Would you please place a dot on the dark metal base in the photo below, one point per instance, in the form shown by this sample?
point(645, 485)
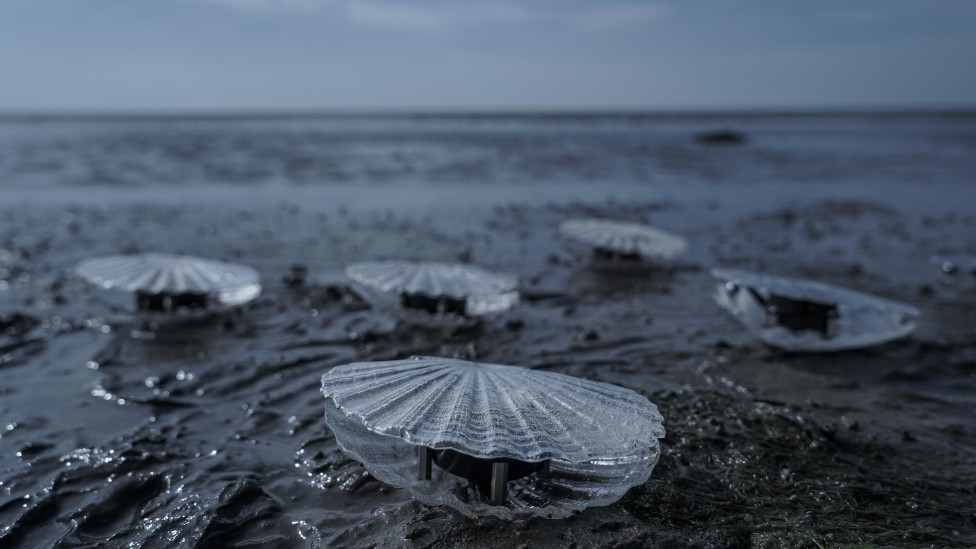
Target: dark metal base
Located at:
point(491, 476)
point(802, 315)
point(602, 254)
point(798, 315)
point(436, 305)
point(165, 302)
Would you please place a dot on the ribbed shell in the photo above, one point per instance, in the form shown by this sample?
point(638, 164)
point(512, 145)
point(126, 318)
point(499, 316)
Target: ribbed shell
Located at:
point(628, 238)
point(430, 279)
point(492, 410)
point(863, 319)
point(165, 273)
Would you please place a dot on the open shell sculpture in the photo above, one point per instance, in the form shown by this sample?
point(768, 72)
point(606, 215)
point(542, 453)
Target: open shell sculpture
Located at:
point(506, 441)
point(422, 291)
point(623, 246)
point(802, 315)
point(166, 284)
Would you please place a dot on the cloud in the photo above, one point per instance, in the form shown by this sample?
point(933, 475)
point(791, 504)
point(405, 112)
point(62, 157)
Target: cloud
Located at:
point(394, 16)
point(619, 16)
point(445, 14)
point(859, 16)
point(416, 17)
point(271, 6)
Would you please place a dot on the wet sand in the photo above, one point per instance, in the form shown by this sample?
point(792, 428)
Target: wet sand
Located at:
point(213, 435)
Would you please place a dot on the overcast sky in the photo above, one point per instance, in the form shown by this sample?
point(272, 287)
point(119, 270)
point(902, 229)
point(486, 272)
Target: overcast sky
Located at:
point(470, 54)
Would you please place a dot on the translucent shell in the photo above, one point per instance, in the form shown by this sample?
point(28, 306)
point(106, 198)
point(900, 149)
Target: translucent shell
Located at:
point(228, 284)
point(625, 238)
point(492, 410)
point(482, 292)
point(851, 319)
point(599, 439)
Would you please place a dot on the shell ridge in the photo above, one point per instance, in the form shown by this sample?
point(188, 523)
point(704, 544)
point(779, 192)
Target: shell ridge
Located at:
point(612, 406)
point(132, 273)
point(182, 280)
point(159, 273)
point(481, 411)
point(90, 269)
point(366, 380)
point(430, 278)
point(201, 278)
point(574, 408)
point(373, 411)
point(391, 394)
point(492, 410)
point(434, 395)
point(144, 280)
point(543, 405)
point(649, 242)
point(499, 420)
point(157, 280)
point(461, 414)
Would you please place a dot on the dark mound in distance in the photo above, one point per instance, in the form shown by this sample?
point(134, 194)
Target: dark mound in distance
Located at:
point(721, 137)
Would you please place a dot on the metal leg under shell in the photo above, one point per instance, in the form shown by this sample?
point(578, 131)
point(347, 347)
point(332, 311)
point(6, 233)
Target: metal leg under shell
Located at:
point(425, 458)
point(499, 482)
point(490, 476)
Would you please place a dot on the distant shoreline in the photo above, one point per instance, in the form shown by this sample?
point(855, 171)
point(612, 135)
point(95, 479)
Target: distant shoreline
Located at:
point(475, 114)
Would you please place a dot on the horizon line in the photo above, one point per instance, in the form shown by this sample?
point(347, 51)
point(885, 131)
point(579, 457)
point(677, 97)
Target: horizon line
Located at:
point(474, 112)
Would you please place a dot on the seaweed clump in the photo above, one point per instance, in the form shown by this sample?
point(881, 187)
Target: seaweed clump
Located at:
point(762, 475)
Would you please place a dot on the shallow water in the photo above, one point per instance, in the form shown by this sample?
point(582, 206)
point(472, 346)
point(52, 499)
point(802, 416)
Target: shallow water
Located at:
point(212, 435)
point(478, 149)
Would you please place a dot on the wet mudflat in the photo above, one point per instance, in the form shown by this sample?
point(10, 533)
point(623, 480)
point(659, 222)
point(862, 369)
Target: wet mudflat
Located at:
point(212, 434)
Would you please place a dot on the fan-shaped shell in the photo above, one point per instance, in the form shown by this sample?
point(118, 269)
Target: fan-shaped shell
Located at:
point(600, 439)
point(626, 238)
point(431, 279)
point(493, 410)
point(483, 292)
point(152, 273)
point(862, 320)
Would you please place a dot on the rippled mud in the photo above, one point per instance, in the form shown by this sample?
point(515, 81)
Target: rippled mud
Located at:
point(211, 434)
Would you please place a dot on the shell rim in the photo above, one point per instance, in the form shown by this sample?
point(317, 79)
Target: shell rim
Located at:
point(645, 451)
point(799, 344)
point(679, 243)
point(641, 448)
point(502, 512)
point(843, 295)
point(508, 283)
point(254, 278)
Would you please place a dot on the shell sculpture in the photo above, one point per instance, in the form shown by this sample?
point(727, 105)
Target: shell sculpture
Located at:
point(426, 289)
point(489, 439)
point(624, 246)
point(958, 272)
point(802, 315)
point(165, 283)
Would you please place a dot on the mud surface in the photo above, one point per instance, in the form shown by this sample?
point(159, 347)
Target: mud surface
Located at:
point(211, 435)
